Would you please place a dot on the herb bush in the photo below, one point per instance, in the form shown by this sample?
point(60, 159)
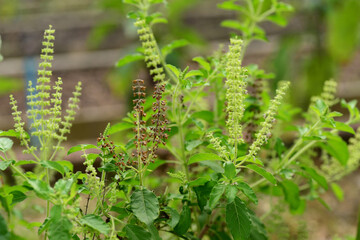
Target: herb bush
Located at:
point(223, 131)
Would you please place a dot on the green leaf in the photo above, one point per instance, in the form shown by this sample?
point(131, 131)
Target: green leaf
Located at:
point(59, 229)
point(337, 148)
point(291, 193)
point(184, 222)
point(203, 193)
point(229, 170)
point(215, 195)
point(258, 229)
point(25, 162)
point(230, 5)
point(207, 116)
point(4, 232)
point(279, 147)
point(173, 69)
point(320, 107)
point(234, 24)
point(81, 147)
point(5, 164)
point(268, 176)
point(204, 157)
point(95, 222)
point(11, 133)
point(134, 232)
point(64, 185)
point(277, 19)
point(129, 59)
point(119, 127)
point(214, 165)
point(341, 127)
point(193, 73)
point(314, 175)
point(173, 45)
point(191, 145)
point(5, 144)
point(53, 165)
point(174, 216)
point(237, 219)
point(17, 197)
point(44, 226)
point(337, 190)
point(248, 191)
point(41, 188)
point(231, 192)
point(202, 63)
point(145, 205)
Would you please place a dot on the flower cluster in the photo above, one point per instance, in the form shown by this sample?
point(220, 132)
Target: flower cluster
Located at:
point(44, 103)
point(236, 91)
point(153, 61)
point(269, 118)
point(152, 55)
point(141, 134)
point(216, 143)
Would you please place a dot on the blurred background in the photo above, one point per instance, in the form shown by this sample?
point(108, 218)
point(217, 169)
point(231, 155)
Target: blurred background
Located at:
point(321, 41)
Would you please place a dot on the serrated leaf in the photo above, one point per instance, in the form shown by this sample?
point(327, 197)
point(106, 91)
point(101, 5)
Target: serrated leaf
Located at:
point(134, 232)
point(41, 188)
point(262, 172)
point(248, 191)
point(129, 59)
point(81, 147)
point(174, 216)
point(95, 222)
point(173, 45)
point(216, 194)
point(184, 221)
point(5, 144)
point(59, 229)
point(229, 170)
point(237, 219)
point(64, 185)
point(204, 157)
point(145, 205)
point(203, 193)
point(231, 192)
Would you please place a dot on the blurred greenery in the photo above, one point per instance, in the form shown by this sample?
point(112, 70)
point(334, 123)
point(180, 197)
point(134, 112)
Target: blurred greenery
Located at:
point(329, 42)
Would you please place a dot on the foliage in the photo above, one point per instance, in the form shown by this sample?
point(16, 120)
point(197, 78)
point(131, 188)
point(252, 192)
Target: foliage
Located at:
point(220, 127)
